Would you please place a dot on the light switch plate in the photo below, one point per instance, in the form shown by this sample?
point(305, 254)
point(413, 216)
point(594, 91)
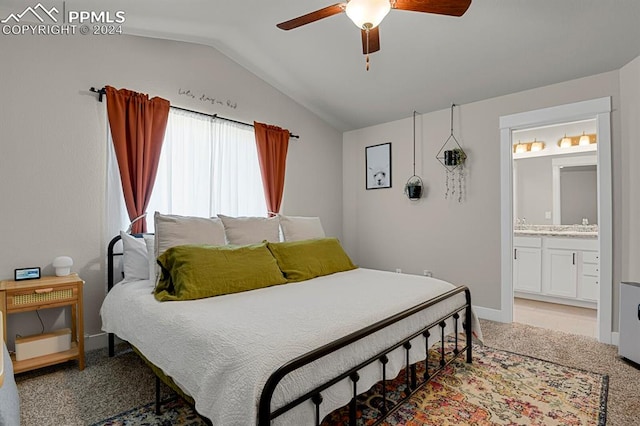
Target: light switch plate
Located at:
point(547, 215)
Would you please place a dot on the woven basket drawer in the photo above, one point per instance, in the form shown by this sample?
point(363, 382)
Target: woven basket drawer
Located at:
point(23, 299)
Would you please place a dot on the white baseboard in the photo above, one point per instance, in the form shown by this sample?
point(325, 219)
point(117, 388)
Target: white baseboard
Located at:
point(95, 341)
point(488, 313)
point(615, 338)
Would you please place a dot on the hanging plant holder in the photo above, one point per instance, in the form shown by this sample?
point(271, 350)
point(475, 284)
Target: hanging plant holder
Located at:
point(413, 187)
point(452, 157)
point(451, 154)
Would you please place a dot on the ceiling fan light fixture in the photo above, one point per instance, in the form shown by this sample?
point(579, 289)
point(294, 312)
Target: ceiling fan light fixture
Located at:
point(367, 14)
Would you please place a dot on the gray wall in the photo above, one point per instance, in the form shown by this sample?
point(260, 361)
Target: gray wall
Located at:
point(533, 189)
point(460, 242)
point(630, 158)
point(578, 186)
point(53, 145)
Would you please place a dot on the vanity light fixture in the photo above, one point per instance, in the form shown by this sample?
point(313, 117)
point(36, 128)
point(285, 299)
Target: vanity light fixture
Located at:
point(565, 142)
point(573, 141)
point(536, 146)
point(522, 147)
point(584, 140)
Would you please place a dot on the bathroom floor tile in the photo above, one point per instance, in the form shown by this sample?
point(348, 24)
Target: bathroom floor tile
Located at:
point(554, 316)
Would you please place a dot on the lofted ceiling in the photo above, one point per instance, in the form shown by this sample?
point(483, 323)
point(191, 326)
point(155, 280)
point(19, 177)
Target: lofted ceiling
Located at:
point(425, 62)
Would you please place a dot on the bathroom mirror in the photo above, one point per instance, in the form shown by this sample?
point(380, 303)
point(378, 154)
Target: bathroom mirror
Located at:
point(555, 185)
point(575, 191)
point(556, 190)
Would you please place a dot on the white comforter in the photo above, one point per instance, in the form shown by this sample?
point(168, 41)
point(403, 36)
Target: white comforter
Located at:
point(221, 350)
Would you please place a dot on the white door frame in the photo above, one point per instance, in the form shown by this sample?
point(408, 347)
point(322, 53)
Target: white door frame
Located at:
point(600, 110)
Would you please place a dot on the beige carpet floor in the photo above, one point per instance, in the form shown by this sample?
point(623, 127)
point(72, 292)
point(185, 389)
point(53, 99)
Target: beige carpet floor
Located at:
point(62, 395)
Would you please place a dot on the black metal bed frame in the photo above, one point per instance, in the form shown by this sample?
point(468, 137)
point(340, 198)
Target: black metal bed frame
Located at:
point(111, 254)
point(412, 382)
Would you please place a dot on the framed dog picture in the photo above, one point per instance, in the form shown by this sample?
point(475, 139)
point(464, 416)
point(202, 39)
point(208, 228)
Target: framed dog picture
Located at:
point(378, 166)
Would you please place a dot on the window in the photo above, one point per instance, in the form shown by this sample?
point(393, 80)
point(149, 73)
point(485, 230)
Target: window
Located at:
point(207, 166)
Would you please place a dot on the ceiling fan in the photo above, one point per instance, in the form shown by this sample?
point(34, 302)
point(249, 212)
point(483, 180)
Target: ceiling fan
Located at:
point(367, 15)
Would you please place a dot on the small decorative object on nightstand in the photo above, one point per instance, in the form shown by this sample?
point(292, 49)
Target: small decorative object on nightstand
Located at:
point(45, 293)
point(63, 265)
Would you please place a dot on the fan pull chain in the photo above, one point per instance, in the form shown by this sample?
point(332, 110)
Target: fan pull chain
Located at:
point(367, 29)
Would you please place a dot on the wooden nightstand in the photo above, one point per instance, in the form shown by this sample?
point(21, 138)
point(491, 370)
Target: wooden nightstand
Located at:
point(45, 293)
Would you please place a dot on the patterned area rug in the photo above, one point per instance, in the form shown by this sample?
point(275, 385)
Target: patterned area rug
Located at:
point(174, 412)
point(499, 388)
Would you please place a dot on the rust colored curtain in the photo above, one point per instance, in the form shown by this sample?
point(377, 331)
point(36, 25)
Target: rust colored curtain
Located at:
point(137, 127)
point(272, 143)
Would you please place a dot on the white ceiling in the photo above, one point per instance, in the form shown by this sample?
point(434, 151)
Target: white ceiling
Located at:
point(426, 62)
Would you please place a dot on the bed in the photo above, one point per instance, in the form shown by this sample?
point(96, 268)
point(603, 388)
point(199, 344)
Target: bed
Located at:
point(291, 354)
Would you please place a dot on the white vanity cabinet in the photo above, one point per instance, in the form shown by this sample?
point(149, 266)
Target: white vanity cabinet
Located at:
point(527, 264)
point(562, 276)
point(589, 288)
point(557, 269)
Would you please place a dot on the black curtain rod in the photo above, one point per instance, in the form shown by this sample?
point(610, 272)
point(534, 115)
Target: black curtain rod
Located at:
point(102, 92)
point(291, 135)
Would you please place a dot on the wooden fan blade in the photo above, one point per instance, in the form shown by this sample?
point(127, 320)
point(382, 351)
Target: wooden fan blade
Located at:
point(312, 17)
point(374, 40)
point(440, 7)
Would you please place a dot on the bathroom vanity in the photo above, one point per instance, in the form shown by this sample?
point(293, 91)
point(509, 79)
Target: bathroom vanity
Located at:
point(559, 264)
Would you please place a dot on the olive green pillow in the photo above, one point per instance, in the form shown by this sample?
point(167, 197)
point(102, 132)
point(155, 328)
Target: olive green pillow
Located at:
point(303, 260)
point(198, 271)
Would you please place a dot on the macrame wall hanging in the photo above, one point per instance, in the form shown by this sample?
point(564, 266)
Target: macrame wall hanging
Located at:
point(453, 157)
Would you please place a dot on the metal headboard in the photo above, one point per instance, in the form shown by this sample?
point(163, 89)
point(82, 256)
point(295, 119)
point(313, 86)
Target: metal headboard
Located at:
point(111, 254)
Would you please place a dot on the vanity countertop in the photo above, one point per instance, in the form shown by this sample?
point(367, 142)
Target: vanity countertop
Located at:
point(569, 234)
point(567, 231)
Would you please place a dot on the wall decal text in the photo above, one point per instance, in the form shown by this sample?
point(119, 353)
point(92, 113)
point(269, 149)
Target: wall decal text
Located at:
point(209, 99)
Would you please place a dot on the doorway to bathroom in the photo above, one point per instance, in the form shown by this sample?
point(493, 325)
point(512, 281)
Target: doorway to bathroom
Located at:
point(556, 218)
point(555, 206)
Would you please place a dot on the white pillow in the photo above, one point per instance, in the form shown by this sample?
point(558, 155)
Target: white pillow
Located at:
point(251, 230)
point(173, 230)
point(150, 242)
point(297, 228)
point(135, 263)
